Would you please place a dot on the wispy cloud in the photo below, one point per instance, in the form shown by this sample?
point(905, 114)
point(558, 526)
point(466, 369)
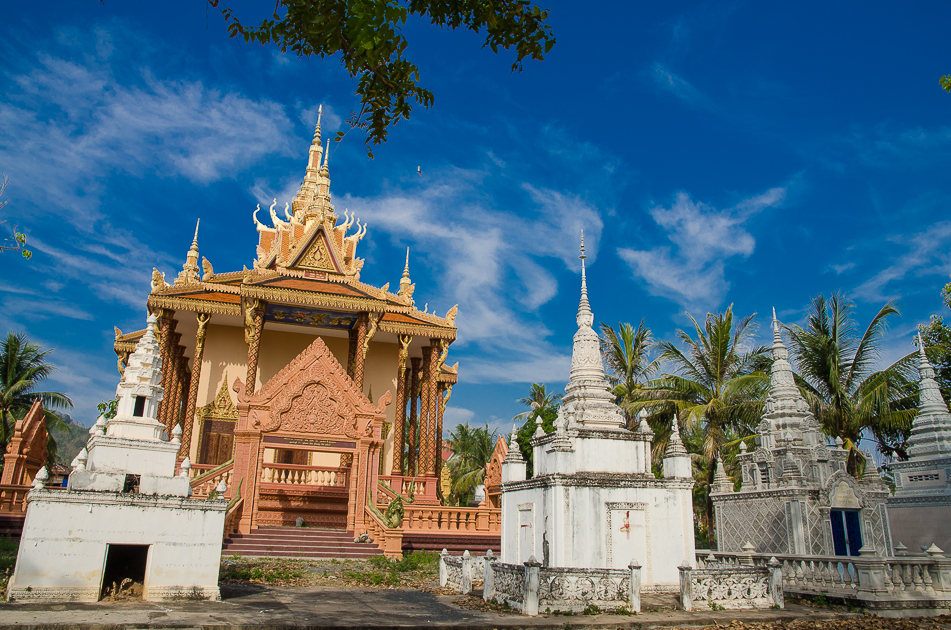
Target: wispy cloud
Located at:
point(673, 83)
point(692, 271)
point(924, 253)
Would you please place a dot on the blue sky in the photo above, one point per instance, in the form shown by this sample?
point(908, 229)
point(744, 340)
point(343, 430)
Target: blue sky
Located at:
point(753, 154)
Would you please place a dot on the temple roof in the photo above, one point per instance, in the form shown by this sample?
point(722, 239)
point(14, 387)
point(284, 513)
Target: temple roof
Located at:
point(306, 271)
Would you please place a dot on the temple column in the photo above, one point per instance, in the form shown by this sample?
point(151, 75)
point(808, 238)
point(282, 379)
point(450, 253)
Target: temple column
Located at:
point(253, 327)
point(175, 402)
point(413, 417)
point(357, 357)
point(203, 319)
point(433, 403)
point(445, 391)
point(166, 328)
point(400, 416)
point(422, 456)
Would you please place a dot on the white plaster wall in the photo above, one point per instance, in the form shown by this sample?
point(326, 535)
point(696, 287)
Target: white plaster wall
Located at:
point(577, 529)
point(63, 547)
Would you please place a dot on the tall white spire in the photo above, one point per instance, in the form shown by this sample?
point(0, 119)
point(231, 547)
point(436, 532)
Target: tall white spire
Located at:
point(786, 412)
point(931, 429)
point(588, 399)
point(320, 112)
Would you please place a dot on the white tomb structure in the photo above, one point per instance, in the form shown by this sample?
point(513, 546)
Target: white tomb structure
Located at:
point(796, 496)
point(593, 501)
point(920, 510)
point(124, 513)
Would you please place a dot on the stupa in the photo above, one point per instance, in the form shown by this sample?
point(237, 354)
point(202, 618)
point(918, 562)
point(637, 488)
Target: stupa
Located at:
point(796, 496)
point(593, 501)
point(125, 514)
point(920, 510)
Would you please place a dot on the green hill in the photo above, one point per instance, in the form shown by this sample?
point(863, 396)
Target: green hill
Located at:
point(70, 440)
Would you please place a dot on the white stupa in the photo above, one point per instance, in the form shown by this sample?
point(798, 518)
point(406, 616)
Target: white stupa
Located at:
point(125, 513)
point(593, 501)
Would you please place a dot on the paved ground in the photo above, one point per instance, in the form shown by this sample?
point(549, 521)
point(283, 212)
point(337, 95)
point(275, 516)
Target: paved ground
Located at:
point(331, 607)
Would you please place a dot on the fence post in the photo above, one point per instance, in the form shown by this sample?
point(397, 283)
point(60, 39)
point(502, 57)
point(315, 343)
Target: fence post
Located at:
point(488, 586)
point(871, 570)
point(443, 571)
point(466, 582)
point(532, 575)
point(686, 587)
point(776, 582)
point(634, 591)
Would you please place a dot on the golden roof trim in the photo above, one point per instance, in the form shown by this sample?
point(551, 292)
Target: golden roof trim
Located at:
point(192, 305)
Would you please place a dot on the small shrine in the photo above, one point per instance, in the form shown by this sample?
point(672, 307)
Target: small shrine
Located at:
point(125, 516)
point(593, 502)
point(796, 496)
point(920, 510)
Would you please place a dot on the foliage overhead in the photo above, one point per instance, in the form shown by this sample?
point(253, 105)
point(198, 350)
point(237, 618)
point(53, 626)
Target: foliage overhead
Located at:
point(837, 378)
point(17, 242)
point(936, 336)
point(946, 83)
point(539, 398)
point(525, 434)
point(22, 367)
point(368, 35)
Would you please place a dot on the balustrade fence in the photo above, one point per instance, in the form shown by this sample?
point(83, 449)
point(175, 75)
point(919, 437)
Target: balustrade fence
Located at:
point(870, 581)
point(297, 475)
point(732, 587)
point(13, 498)
point(529, 587)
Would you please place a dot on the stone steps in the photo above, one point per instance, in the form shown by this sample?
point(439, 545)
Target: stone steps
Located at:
point(297, 542)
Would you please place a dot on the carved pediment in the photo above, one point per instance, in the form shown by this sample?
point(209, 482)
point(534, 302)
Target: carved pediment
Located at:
point(493, 470)
point(221, 408)
point(313, 395)
point(317, 254)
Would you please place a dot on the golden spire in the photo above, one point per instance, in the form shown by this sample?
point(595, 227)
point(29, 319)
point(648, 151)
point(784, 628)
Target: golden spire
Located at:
point(320, 111)
point(189, 273)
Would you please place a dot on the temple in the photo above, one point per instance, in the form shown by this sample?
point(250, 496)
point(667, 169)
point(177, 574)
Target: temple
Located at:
point(305, 388)
point(920, 510)
point(796, 496)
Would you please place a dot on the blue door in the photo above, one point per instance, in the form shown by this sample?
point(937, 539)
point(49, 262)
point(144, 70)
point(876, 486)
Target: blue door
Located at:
point(846, 532)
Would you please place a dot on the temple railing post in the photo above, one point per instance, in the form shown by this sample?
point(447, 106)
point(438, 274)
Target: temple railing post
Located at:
point(532, 575)
point(466, 581)
point(634, 590)
point(686, 586)
point(776, 582)
point(488, 585)
point(443, 571)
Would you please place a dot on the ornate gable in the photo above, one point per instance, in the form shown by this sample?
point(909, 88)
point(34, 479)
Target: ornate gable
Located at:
point(314, 395)
point(317, 254)
point(26, 452)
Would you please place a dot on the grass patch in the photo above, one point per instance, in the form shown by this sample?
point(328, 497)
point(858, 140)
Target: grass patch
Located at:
point(8, 558)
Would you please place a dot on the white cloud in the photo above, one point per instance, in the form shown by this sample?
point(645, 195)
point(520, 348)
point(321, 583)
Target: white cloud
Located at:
point(692, 272)
point(495, 271)
point(924, 253)
point(453, 416)
point(681, 88)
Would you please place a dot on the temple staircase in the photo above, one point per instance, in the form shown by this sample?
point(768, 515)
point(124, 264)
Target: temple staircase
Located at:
point(298, 542)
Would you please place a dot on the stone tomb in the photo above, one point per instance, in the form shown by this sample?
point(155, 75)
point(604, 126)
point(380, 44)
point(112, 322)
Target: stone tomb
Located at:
point(920, 511)
point(593, 502)
point(124, 513)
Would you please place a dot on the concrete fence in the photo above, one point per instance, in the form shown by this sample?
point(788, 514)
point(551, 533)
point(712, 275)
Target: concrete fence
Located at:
point(733, 587)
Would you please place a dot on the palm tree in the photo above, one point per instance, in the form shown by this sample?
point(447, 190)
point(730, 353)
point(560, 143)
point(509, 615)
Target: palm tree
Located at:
point(717, 389)
point(538, 399)
point(471, 451)
point(626, 354)
point(837, 376)
point(22, 367)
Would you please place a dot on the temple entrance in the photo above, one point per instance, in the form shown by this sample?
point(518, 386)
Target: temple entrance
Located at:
point(124, 575)
point(846, 532)
point(217, 422)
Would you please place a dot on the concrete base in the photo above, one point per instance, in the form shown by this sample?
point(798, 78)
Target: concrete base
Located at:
point(66, 539)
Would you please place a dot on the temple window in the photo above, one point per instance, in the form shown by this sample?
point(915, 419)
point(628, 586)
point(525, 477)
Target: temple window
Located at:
point(139, 409)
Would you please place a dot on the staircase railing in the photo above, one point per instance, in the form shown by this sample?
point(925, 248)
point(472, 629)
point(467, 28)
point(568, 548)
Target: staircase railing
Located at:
point(442, 518)
point(388, 539)
point(232, 516)
point(203, 484)
point(13, 499)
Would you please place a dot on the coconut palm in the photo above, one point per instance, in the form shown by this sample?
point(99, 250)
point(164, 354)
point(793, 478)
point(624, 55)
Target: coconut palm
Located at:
point(626, 355)
point(538, 399)
point(22, 367)
point(847, 395)
point(471, 450)
point(717, 388)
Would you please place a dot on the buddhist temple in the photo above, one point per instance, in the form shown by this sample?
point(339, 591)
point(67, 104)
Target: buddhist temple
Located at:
point(920, 510)
point(303, 386)
point(796, 496)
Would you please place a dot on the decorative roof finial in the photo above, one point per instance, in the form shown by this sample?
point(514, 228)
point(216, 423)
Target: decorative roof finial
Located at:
point(325, 169)
point(189, 273)
point(675, 447)
point(514, 453)
point(406, 268)
point(585, 316)
point(320, 111)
